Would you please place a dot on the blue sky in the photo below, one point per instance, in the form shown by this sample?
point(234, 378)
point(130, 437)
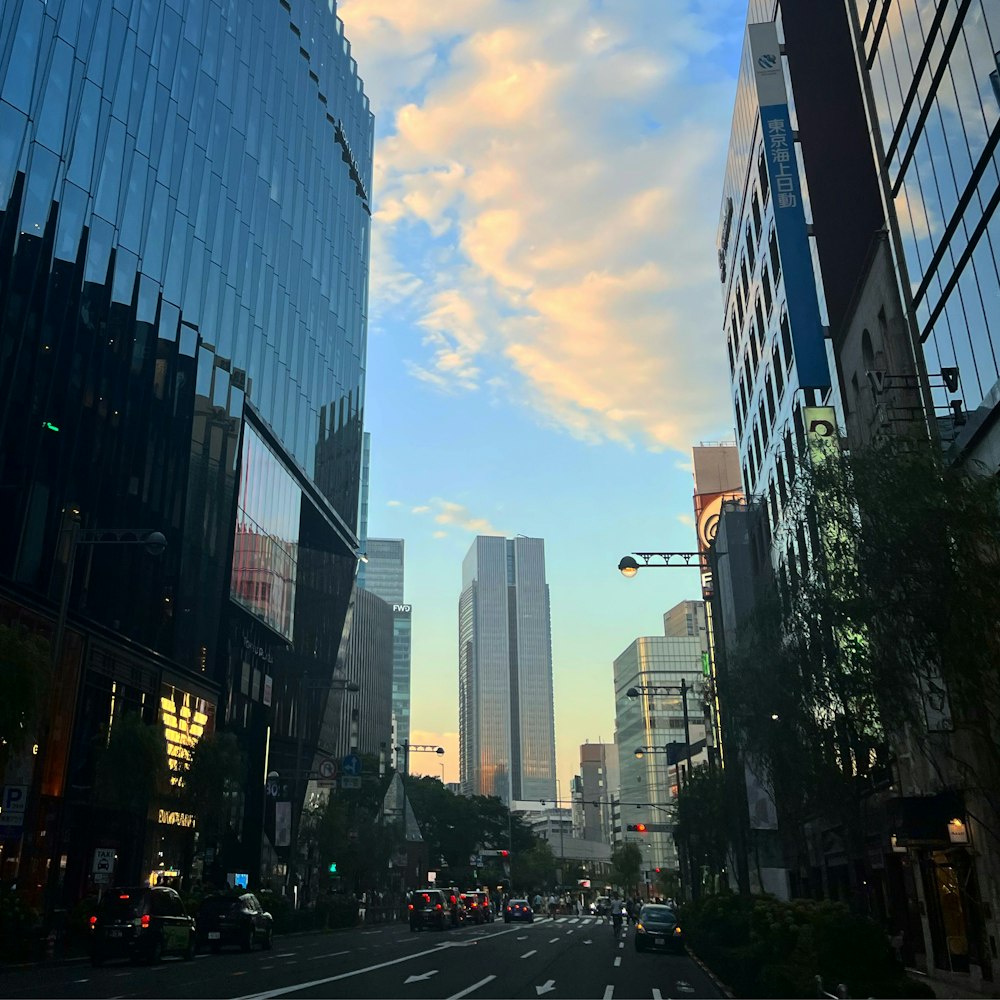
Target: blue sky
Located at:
point(544, 344)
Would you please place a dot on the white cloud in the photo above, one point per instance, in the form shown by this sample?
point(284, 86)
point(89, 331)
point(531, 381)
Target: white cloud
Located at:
point(564, 165)
point(686, 519)
point(393, 503)
point(423, 509)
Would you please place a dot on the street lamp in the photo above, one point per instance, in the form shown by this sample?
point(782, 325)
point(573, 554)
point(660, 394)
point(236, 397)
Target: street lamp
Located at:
point(681, 689)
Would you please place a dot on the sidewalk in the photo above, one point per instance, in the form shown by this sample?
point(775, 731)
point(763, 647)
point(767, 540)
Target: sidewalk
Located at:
point(946, 990)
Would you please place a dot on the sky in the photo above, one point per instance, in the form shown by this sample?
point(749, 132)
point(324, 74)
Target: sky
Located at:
point(544, 342)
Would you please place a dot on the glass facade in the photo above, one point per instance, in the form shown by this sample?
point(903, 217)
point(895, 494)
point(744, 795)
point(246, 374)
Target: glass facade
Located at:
point(506, 710)
point(184, 235)
point(935, 78)
point(649, 782)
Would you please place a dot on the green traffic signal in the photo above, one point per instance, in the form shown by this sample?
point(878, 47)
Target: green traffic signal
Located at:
point(333, 868)
point(49, 426)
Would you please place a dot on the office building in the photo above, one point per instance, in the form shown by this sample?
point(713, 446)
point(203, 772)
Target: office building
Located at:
point(383, 575)
point(184, 232)
point(506, 713)
point(645, 725)
point(598, 783)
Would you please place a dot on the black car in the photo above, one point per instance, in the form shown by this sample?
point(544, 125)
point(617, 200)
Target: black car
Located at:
point(141, 924)
point(456, 905)
point(429, 908)
point(234, 918)
point(518, 909)
point(476, 905)
point(657, 927)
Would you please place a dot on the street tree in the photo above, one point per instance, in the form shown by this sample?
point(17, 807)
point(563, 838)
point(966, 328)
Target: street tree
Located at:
point(626, 866)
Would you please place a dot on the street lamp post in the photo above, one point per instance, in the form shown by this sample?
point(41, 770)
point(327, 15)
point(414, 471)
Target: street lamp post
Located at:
point(406, 749)
point(669, 689)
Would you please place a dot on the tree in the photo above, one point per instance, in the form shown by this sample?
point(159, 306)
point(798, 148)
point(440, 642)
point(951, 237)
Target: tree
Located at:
point(626, 864)
point(534, 868)
point(888, 641)
point(131, 765)
point(703, 821)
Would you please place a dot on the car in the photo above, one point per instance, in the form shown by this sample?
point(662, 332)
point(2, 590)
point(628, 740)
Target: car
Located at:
point(486, 906)
point(602, 906)
point(518, 909)
point(141, 923)
point(428, 908)
point(456, 905)
point(658, 927)
point(234, 918)
point(475, 909)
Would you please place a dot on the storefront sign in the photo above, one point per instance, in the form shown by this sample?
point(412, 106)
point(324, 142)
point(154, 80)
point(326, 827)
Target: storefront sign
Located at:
point(170, 817)
point(184, 717)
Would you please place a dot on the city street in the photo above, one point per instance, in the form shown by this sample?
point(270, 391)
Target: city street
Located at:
point(564, 957)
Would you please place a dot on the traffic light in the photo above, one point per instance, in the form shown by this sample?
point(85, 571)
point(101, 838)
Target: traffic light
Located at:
point(503, 854)
point(657, 870)
point(333, 868)
point(636, 828)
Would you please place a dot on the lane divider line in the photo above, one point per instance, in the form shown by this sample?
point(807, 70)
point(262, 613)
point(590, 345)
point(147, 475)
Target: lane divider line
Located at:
point(528, 954)
point(618, 961)
point(472, 988)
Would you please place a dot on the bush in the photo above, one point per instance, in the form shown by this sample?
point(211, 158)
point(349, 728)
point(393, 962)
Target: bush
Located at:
point(764, 947)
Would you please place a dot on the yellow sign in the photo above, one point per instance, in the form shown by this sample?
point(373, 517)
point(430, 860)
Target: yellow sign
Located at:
point(184, 718)
point(822, 436)
point(170, 817)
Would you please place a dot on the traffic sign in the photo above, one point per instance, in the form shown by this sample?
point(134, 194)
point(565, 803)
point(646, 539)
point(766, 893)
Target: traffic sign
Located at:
point(350, 781)
point(328, 769)
point(104, 860)
point(351, 765)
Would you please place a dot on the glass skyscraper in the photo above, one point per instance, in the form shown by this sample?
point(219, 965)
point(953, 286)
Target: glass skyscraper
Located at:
point(506, 710)
point(383, 576)
point(184, 228)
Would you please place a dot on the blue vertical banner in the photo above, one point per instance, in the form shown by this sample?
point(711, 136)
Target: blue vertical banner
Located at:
point(808, 343)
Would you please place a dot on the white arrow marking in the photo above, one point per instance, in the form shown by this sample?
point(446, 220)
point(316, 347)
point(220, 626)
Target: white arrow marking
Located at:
point(417, 979)
point(523, 937)
point(683, 986)
point(588, 941)
point(547, 988)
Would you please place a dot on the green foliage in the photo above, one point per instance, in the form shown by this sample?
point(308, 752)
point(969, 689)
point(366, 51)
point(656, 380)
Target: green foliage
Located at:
point(763, 947)
point(216, 772)
point(702, 819)
point(535, 868)
point(331, 911)
point(626, 864)
point(131, 764)
point(26, 670)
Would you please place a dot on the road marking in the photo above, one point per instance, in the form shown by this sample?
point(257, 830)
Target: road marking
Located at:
point(561, 920)
point(570, 931)
point(297, 987)
point(618, 961)
point(528, 954)
point(472, 988)
point(420, 978)
point(242, 972)
point(575, 920)
point(546, 987)
point(621, 944)
point(332, 954)
point(369, 933)
point(266, 967)
point(523, 937)
point(285, 954)
point(201, 956)
point(587, 941)
point(657, 995)
point(553, 940)
point(81, 980)
point(609, 992)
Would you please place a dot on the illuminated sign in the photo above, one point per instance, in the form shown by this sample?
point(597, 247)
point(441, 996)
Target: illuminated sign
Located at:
point(403, 609)
point(822, 437)
point(184, 717)
point(170, 817)
point(809, 345)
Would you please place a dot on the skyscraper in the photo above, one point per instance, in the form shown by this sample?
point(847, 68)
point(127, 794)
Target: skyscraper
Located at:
point(383, 575)
point(184, 229)
point(506, 713)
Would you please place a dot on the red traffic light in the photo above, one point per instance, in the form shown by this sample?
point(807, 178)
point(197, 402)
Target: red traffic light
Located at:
point(641, 827)
point(504, 854)
point(658, 870)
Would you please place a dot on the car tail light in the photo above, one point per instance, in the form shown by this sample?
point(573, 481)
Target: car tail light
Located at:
point(145, 920)
point(93, 920)
point(508, 909)
point(677, 930)
point(453, 901)
point(411, 906)
point(437, 906)
point(124, 895)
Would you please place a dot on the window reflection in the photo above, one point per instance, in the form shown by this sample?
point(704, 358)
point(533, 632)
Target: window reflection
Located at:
point(265, 551)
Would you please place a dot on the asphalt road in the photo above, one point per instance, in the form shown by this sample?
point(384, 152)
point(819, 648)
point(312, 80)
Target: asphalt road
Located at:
point(576, 957)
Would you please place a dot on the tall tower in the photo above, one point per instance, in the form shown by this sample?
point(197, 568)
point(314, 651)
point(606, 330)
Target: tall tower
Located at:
point(383, 576)
point(506, 714)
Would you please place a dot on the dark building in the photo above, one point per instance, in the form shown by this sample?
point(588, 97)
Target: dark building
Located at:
point(184, 229)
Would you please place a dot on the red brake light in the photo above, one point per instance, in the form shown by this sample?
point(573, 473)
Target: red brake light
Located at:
point(93, 920)
point(145, 920)
point(411, 906)
point(124, 895)
point(437, 906)
point(453, 899)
